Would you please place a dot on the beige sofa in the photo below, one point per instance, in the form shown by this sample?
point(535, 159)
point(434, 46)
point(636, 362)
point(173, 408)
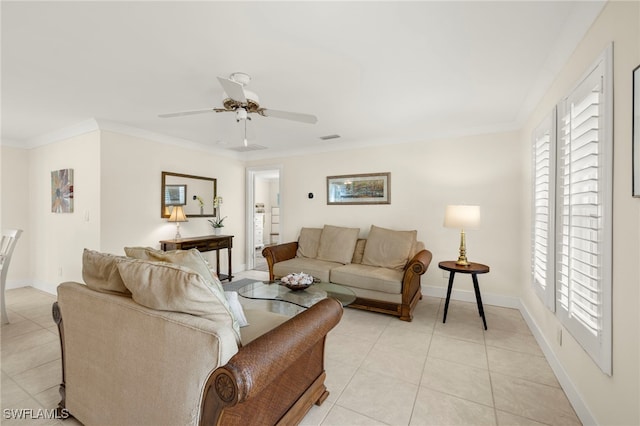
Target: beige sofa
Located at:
point(127, 359)
point(383, 270)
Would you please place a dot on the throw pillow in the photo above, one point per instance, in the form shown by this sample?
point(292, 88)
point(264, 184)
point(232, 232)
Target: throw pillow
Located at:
point(388, 248)
point(236, 308)
point(308, 242)
point(337, 244)
point(191, 259)
point(100, 272)
point(169, 287)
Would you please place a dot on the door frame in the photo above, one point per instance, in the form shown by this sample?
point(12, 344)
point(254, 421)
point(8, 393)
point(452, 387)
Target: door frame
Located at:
point(251, 173)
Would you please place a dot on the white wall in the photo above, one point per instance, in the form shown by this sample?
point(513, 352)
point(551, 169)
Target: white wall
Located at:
point(15, 210)
point(601, 399)
point(57, 239)
point(131, 170)
point(425, 177)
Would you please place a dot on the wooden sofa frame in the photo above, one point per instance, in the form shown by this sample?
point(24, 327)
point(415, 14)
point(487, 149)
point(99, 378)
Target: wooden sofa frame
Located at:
point(273, 380)
point(411, 291)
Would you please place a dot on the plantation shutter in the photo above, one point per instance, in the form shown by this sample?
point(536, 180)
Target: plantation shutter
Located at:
point(583, 222)
point(542, 252)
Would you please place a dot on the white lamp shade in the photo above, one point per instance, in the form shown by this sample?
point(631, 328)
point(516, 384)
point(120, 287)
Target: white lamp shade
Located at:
point(177, 215)
point(462, 217)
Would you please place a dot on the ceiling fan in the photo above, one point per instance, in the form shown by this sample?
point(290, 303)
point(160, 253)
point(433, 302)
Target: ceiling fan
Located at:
point(243, 102)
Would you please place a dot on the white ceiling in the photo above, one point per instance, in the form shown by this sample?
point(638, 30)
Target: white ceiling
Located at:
point(372, 72)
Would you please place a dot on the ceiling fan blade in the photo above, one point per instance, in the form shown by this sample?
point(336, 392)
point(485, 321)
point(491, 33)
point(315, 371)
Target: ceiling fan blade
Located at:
point(192, 112)
point(295, 116)
point(233, 90)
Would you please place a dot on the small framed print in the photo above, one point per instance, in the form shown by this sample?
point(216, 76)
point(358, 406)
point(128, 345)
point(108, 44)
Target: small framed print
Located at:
point(371, 188)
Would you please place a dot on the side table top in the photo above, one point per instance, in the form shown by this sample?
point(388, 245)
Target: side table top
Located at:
point(473, 268)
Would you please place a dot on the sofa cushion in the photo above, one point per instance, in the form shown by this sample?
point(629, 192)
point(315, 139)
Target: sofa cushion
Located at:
point(318, 268)
point(337, 244)
point(385, 280)
point(188, 258)
point(191, 259)
point(169, 287)
point(308, 242)
point(388, 248)
point(100, 272)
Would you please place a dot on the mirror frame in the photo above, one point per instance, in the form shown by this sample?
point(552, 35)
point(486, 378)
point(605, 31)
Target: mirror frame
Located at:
point(163, 207)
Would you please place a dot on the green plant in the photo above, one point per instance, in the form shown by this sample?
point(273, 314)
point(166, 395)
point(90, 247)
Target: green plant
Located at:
point(217, 223)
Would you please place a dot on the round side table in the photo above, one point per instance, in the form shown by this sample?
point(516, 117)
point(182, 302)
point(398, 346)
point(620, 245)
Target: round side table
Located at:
point(474, 269)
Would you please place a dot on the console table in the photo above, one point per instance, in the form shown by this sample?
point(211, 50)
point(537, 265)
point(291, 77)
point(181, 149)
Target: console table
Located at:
point(204, 243)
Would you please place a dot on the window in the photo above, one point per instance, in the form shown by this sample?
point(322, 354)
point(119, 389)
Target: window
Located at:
point(542, 250)
point(581, 244)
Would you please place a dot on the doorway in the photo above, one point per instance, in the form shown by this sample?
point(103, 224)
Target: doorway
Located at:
point(263, 213)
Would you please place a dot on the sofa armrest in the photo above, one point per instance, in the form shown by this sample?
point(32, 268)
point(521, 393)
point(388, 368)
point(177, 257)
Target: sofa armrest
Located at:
point(411, 291)
point(420, 262)
point(264, 366)
point(279, 253)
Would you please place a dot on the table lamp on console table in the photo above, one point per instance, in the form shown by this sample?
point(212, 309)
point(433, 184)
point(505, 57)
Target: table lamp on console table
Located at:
point(462, 217)
point(177, 216)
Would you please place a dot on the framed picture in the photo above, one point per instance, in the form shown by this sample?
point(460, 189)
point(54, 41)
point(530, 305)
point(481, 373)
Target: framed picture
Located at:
point(636, 132)
point(175, 195)
point(373, 188)
point(62, 191)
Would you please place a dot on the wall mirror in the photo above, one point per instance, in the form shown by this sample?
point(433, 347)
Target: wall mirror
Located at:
point(194, 193)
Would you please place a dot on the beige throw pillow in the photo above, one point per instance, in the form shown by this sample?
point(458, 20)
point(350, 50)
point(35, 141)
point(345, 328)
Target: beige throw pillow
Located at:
point(308, 242)
point(100, 272)
point(388, 248)
point(337, 244)
point(169, 287)
point(191, 259)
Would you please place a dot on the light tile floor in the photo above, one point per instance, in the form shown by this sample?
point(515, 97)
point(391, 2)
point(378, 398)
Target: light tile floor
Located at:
point(380, 370)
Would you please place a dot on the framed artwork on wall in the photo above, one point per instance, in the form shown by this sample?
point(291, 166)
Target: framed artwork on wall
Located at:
point(636, 132)
point(371, 188)
point(62, 191)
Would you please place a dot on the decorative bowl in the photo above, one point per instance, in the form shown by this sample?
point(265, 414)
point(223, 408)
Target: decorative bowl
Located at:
point(298, 281)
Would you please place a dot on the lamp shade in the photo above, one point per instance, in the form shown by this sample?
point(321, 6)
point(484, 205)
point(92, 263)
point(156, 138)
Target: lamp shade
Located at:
point(177, 215)
point(462, 217)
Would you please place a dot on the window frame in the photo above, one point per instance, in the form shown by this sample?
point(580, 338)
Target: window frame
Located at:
point(597, 341)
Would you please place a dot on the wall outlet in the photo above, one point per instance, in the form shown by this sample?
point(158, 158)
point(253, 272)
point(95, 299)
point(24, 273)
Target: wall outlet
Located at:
point(60, 271)
point(559, 336)
point(445, 274)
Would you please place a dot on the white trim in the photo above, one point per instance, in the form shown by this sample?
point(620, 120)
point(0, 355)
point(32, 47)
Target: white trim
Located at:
point(250, 210)
point(58, 135)
point(578, 404)
point(17, 284)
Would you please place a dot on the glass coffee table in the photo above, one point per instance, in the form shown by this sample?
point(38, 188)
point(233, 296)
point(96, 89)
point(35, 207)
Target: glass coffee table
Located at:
point(274, 291)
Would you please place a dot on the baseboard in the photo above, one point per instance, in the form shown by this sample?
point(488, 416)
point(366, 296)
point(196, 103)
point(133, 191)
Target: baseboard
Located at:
point(581, 409)
point(17, 284)
point(469, 296)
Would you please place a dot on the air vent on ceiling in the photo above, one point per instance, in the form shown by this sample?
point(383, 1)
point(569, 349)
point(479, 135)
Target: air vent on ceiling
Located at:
point(252, 147)
point(326, 138)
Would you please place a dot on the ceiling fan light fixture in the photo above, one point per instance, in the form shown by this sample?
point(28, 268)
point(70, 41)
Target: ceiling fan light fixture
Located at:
point(241, 114)
point(240, 78)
